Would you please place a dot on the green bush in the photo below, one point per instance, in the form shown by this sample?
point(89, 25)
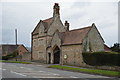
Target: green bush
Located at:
point(102, 58)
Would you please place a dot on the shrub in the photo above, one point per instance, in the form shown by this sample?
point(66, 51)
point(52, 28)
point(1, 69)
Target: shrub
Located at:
point(102, 58)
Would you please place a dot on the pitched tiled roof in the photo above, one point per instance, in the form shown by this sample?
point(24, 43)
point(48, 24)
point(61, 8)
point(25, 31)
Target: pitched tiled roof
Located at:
point(48, 21)
point(46, 24)
point(36, 30)
point(10, 48)
point(74, 36)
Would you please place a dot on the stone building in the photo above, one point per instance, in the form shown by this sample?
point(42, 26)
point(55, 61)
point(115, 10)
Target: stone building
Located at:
point(54, 43)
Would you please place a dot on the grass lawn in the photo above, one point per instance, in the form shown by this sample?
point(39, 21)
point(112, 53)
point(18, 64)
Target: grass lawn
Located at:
point(91, 71)
point(7, 61)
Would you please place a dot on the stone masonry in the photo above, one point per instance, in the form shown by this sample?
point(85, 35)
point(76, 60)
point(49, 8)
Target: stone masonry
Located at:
point(54, 43)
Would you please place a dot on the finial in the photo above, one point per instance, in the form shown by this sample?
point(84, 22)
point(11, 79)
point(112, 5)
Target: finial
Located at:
point(93, 24)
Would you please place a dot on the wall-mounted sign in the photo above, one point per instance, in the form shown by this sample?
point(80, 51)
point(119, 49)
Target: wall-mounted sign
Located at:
point(65, 56)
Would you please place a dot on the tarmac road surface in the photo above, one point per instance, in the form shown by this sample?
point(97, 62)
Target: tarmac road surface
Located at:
point(41, 72)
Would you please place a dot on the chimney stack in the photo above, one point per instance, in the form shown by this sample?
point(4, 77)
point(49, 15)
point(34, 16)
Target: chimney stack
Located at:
point(67, 25)
point(56, 9)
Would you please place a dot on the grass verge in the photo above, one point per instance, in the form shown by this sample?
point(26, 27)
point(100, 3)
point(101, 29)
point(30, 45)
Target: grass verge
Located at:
point(7, 61)
point(91, 71)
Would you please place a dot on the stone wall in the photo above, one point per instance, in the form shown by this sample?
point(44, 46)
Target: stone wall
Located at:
point(42, 49)
point(56, 25)
point(41, 30)
point(56, 40)
point(39, 49)
point(93, 41)
point(34, 50)
point(72, 55)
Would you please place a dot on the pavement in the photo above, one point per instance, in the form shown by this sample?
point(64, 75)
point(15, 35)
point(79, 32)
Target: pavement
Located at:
point(41, 72)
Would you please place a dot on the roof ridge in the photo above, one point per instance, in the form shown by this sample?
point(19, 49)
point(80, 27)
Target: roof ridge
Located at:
point(11, 44)
point(81, 28)
point(47, 19)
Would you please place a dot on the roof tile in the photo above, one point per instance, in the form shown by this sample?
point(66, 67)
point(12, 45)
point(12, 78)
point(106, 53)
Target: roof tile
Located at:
point(46, 24)
point(74, 36)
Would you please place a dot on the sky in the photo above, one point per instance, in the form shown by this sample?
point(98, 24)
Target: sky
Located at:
point(24, 15)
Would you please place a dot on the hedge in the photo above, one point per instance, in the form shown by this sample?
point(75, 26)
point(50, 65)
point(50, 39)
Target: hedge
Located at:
point(102, 58)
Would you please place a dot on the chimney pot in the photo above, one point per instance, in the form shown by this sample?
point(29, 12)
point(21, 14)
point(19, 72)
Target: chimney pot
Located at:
point(56, 9)
point(67, 25)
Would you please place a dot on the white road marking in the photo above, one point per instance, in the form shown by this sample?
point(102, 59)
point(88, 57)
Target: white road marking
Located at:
point(52, 73)
point(41, 71)
point(21, 67)
point(18, 73)
point(73, 77)
point(56, 74)
point(2, 69)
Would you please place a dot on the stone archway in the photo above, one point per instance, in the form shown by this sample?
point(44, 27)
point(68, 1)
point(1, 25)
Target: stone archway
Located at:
point(56, 54)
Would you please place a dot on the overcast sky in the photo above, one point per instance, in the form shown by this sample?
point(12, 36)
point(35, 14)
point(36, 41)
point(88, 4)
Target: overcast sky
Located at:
point(24, 15)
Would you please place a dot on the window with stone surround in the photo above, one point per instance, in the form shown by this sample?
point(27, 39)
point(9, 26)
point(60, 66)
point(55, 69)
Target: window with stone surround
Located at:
point(41, 41)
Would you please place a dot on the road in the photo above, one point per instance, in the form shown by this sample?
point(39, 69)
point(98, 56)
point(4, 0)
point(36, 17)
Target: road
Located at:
point(15, 70)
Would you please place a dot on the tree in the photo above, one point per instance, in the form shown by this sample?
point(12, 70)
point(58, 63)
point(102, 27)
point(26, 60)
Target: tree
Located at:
point(116, 47)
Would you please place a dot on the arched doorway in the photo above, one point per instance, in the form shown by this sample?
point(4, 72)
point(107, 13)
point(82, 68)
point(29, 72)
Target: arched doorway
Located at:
point(56, 52)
